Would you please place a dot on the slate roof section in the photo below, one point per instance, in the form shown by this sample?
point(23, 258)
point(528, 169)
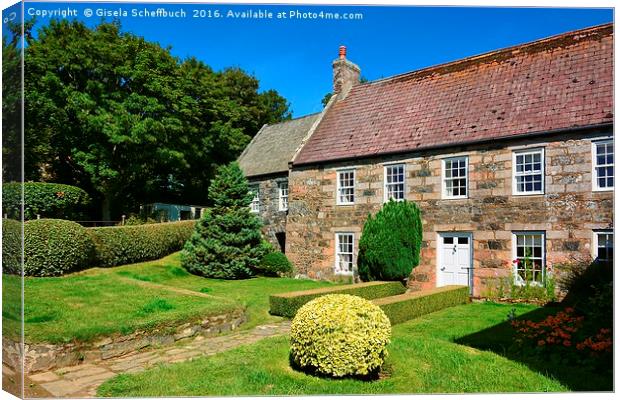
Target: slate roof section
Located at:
point(274, 146)
point(551, 84)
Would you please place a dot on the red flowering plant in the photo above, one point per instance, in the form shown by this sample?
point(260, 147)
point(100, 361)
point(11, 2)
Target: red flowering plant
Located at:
point(562, 337)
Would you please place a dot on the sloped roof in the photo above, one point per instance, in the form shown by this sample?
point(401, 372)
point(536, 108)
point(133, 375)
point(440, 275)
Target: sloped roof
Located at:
point(274, 146)
point(555, 83)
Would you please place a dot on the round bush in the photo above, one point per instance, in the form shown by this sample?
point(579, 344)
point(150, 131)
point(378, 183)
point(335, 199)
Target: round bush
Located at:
point(11, 246)
point(275, 264)
point(54, 247)
point(340, 335)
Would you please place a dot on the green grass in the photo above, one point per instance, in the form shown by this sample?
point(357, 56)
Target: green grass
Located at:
point(423, 358)
point(103, 301)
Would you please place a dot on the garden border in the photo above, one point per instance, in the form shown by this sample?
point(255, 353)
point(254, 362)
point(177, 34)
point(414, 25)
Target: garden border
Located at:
point(42, 357)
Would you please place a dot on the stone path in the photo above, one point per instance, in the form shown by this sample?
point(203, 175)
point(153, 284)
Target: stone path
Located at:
point(84, 379)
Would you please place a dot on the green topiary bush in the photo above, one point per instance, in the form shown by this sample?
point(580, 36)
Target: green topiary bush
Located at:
point(11, 246)
point(340, 335)
point(389, 247)
point(54, 247)
point(275, 264)
point(49, 200)
point(227, 242)
point(118, 245)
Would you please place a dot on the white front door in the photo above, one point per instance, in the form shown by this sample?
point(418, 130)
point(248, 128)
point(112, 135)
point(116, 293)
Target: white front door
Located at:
point(454, 261)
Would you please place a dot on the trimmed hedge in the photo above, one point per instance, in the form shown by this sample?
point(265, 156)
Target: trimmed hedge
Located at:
point(11, 246)
point(411, 305)
point(119, 245)
point(287, 304)
point(49, 200)
point(55, 247)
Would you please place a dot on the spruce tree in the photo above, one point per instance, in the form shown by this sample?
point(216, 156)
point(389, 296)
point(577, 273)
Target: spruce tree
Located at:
point(227, 242)
point(389, 247)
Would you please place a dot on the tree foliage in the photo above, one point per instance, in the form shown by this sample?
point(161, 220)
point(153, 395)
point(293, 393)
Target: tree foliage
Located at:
point(227, 242)
point(123, 118)
point(12, 101)
point(389, 247)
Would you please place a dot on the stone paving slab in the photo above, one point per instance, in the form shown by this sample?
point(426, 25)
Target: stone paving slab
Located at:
point(44, 377)
point(81, 373)
point(61, 388)
point(84, 379)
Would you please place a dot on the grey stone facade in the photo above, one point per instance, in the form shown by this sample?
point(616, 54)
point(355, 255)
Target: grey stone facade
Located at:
point(265, 162)
point(273, 218)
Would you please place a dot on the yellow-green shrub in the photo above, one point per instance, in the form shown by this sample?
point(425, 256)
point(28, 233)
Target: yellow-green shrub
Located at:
point(340, 335)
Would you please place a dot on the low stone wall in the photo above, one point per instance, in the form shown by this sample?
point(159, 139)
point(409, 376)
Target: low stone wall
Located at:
point(43, 357)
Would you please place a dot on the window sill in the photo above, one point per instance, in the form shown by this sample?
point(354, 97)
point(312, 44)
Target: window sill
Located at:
point(598, 190)
point(529, 194)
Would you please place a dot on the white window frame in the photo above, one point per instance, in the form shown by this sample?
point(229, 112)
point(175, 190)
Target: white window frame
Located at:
point(385, 182)
point(444, 186)
point(517, 278)
point(340, 187)
point(255, 204)
point(282, 197)
point(595, 242)
point(338, 253)
point(533, 150)
point(595, 186)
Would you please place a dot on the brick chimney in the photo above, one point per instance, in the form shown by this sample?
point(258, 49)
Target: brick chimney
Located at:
point(346, 74)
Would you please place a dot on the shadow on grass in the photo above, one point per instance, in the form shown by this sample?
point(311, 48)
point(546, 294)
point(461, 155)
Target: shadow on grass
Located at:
point(500, 340)
point(371, 376)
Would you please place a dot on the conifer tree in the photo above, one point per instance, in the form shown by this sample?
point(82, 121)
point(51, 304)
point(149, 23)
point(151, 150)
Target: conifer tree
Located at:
point(389, 247)
point(227, 242)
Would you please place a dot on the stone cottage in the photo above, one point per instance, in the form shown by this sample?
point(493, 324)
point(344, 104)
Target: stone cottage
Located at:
point(265, 163)
point(509, 155)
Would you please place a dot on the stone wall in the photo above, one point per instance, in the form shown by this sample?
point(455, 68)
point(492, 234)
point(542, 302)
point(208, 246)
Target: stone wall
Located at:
point(274, 220)
point(42, 357)
point(567, 212)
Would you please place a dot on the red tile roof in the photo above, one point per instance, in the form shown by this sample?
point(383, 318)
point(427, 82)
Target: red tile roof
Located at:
point(555, 83)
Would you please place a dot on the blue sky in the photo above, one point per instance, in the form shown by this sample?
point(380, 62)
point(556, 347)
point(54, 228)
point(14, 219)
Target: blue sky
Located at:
point(294, 56)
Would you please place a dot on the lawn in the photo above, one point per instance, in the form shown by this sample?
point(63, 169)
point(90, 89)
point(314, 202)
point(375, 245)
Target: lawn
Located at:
point(423, 358)
point(103, 301)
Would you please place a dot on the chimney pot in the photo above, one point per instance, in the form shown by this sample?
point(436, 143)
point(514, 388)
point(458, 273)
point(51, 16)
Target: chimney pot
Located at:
point(346, 74)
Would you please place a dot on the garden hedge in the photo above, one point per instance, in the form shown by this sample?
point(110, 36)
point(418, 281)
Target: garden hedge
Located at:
point(411, 305)
point(55, 247)
point(49, 200)
point(287, 304)
point(118, 245)
point(11, 246)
